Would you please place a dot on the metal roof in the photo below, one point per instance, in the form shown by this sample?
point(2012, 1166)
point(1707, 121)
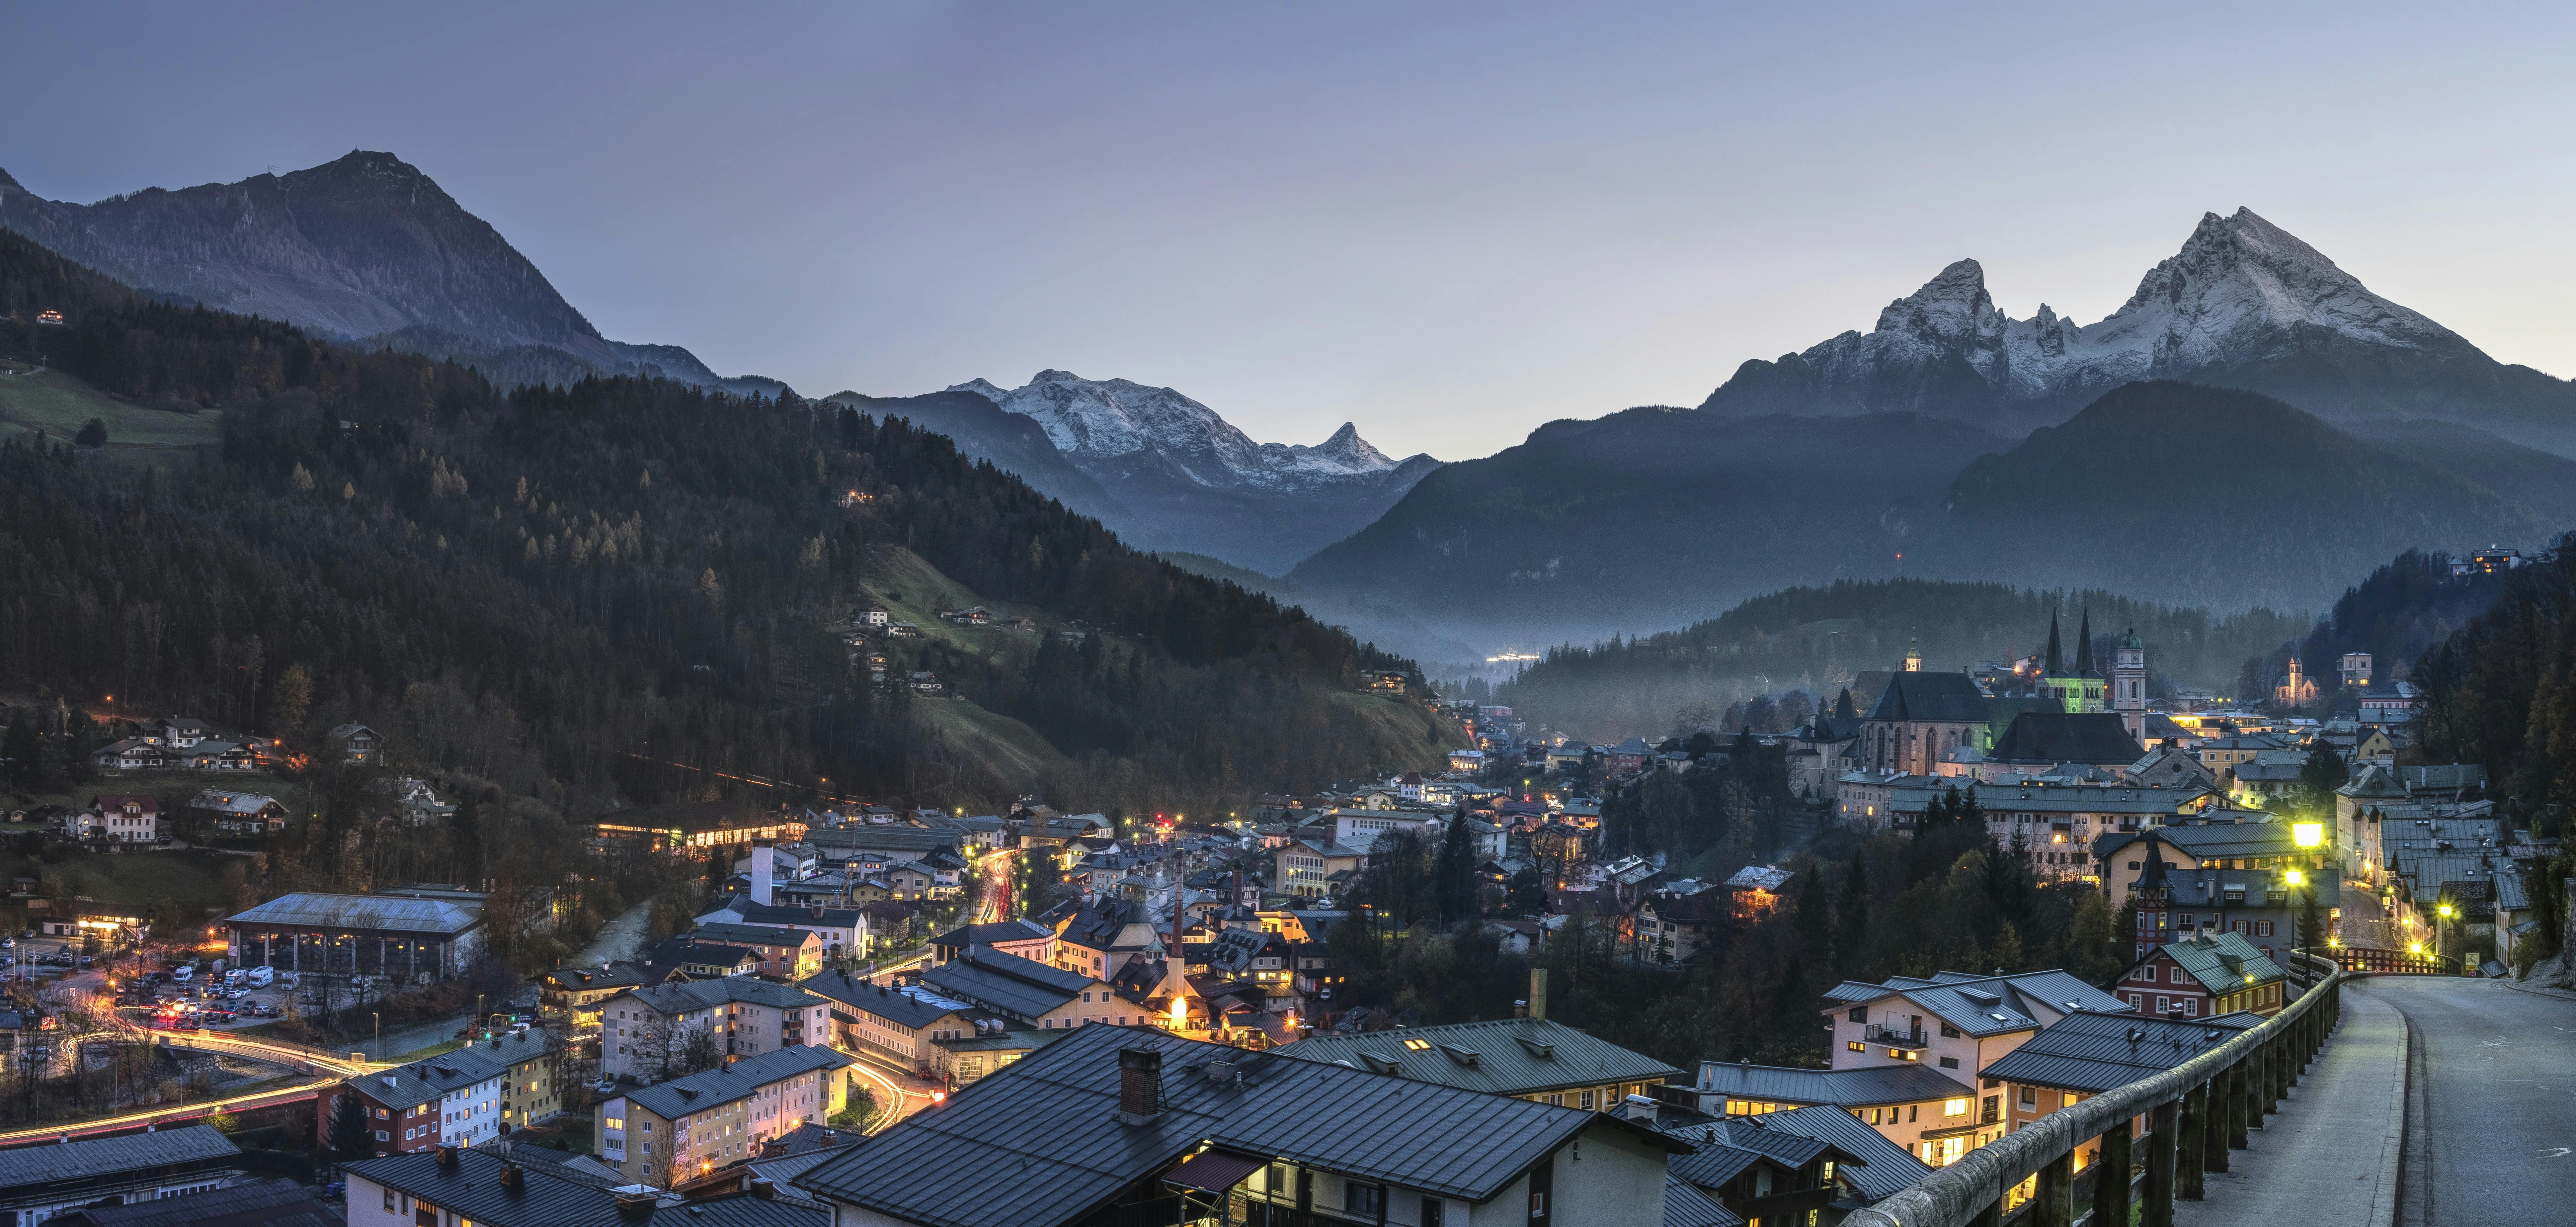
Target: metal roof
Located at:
point(1041, 1142)
point(1876, 1166)
point(550, 1197)
point(28, 1165)
point(2222, 962)
point(429, 1078)
point(1508, 1056)
point(915, 1007)
point(309, 910)
point(993, 934)
point(277, 1202)
point(753, 935)
point(740, 1080)
point(2067, 737)
point(1943, 697)
point(1866, 1086)
point(2093, 1053)
point(1988, 1005)
point(705, 994)
point(1685, 1206)
point(1006, 982)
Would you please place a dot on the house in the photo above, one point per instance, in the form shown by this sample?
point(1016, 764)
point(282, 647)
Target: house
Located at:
point(873, 615)
point(2203, 976)
point(219, 756)
point(122, 819)
point(1306, 867)
point(1756, 889)
point(457, 1099)
point(786, 953)
point(1142, 1126)
point(1099, 936)
point(273, 1202)
point(571, 996)
point(1907, 1106)
point(2218, 877)
point(1025, 938)
point(1857, 1166)
point(986, 1052)
point(37, 1183)
point(840, 930)
point(2396, 703)
point(2057, 742)
point(1384, 681)
point(1672, 925)
point(132, 754)
point(454, 1188)
point(1032, 994)
point(1525, 1058)
point(228, 812)
point(665, 1133)
point(2085, 1055)
point(643, 1030)
point(2171, 766)
point(1469, 762)
point(693, 960)
point(894, 1022)
point(356, 743)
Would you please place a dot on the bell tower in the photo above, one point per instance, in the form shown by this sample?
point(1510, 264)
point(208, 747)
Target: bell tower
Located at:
point(2129, 684)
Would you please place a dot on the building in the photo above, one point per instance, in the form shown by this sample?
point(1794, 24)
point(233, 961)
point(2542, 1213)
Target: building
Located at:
point(788, 954)
point(1124, 1125)
point(227, 811)
point(1525, 1058)
point(355, 743)
point(39, 1182)
point(2354, 669)
point(2096, 744)
point(841, 931)
point(987, 1052)
point(455, 1188)
point(122, 819)
point(1307, 868)
point(2203, 976)
point(2129, 685)
point(1919, 718)
point(2396, 703)
point(274, 1202)
point(1025, 938)
point(417, 939)
point(572, 996)
point(644, 1030)
point(461, 1098)
point(693, 960)
point(2249, 878)
point(699, 824)
point(901, 1023)
point(2085, 1055)
point(1906, 1105)
point(662, 1134)
point(1032, 994)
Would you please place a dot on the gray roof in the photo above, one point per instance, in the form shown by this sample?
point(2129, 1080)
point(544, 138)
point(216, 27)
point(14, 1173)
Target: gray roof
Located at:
point(1685, 1206)
point(2222, 962)
point(908, 842)
point(2101, 738)
point(752, 935)
point(993, 934)
point(229, 801)
point(1866, 1086)
point(277, 1202)
point(906, 1007)
point(1508, 1056)
point(1876, 1166)
point(1041, 1143)
point(740, 1080)
point(2087, 799)
point(702, 994)
point(27, 1165)
point(2093, 1053)
point(1006, 982)
point(2214, 841)
point(783, 916)
point(424, 1080)
point(310, 910)
point(550, 1196)
point(1943, 697)
point(1989, 1005)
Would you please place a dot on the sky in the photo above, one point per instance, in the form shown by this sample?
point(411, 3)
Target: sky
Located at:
point(1447, 223)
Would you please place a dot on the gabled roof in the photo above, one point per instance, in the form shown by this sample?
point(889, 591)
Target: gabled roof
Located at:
point(993, 934)
point(2222, 962)
point(2100, 738)
point(314, 910)
point(2093, 1053)
point(274, 1202)
point(783, 916)
point(1006, 982)
point(1875, 1166)
point(1508, 1056)
point(915, 1006)
point(754, 935)
point(740, 1080)
point(1685, 1206)
point(108, 1156)
point(706, 994)
point(1041, 1143)
point(1862, 1087)
point(1950, 698)
point(551, 1196)
point(1989, 1005)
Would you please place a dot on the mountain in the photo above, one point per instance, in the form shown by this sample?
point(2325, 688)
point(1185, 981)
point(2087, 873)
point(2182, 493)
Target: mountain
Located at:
point(1649, 518)
point(364, 248)
point(1368, 620)
point(2244, 304)
point(1013, 443)
point(1200, 481)
point(2213, 496)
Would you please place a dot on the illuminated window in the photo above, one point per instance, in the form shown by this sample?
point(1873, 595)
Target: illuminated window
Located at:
point(1954, 1107)
point(1417, 1045)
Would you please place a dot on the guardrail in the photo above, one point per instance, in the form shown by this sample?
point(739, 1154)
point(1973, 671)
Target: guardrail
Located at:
point(2196, 1113)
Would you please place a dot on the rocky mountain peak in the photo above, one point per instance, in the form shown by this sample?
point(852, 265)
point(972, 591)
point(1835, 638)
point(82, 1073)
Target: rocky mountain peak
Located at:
point(1952, 304)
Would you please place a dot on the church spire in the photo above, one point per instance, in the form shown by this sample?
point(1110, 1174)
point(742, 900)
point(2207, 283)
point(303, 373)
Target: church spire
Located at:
point(2056, 661)
point(2084, 646)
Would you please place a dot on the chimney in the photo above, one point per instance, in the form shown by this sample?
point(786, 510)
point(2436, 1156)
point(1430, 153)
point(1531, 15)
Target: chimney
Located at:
point(636, 1207)
point(447, 1157)
point(1538, 992)
point(513, 1179)
point(761, 857)
point(764, 1190)
point(1140, 1085)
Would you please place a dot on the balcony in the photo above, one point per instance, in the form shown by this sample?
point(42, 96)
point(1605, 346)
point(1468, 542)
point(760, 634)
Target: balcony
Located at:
point(1896, 1039)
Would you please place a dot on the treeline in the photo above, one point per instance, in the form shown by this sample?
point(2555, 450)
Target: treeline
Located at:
point(2502, 691)
point(613, 592)
point(1817, 639)
point(1942, 897)
point(2404, 608)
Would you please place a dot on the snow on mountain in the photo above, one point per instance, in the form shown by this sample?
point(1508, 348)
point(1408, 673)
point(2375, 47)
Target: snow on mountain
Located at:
point(1122, 426)
point(2240, 291)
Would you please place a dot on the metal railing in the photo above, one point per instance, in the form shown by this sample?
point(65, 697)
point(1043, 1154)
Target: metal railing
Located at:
point(1877, 1034)
point(2196, 1113)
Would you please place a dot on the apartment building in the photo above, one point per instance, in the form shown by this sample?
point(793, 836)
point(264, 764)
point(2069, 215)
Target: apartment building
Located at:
point(665, 1133)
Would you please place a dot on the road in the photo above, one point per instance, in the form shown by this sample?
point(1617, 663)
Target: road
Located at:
point(328, 1069)
point(2491, 1134)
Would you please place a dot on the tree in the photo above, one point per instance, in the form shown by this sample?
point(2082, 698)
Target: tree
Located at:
point(93, 433)
point(698, 1053)
point(2312, 924)
point(1453, 873)
point(351, 1137)
point(290, 700)
point(24, 750)
point(2323, 773)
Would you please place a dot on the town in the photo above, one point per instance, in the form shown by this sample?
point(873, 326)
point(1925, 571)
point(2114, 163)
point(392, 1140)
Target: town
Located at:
point(843, 970)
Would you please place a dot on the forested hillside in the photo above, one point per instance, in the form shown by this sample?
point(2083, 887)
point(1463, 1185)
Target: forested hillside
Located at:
point(2502, 691)
point(567, 590)
point(1816, 638)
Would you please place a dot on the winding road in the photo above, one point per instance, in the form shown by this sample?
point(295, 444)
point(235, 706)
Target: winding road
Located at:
point(2491, 1102)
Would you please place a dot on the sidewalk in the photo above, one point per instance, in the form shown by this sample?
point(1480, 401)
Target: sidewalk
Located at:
point(2331, 1154)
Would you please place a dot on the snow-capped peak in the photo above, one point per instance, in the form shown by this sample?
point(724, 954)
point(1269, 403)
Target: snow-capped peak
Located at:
point(1118, 424)
point(1952, 305)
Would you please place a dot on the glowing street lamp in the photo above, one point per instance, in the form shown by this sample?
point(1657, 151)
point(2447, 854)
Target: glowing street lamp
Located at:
point(2308, 834)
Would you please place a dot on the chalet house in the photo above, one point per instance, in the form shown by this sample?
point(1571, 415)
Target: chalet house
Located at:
point(692, 960)
point(1672, 925)
point(1779, 1167)
point(2203, 976)
point(356, 743)
point(786, 953)
point(842, 931)
point(183, 732)
point(132, 754)
point(208, 755)
point(237, 813)
point(1141, 1126)
point(120, 819)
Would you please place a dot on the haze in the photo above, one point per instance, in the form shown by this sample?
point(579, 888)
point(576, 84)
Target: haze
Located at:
point(1448, 224)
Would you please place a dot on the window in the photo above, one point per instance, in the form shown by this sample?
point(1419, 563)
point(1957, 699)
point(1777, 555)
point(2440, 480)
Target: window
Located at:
point(1587, 1101)
point(1417, 1045)
point(612, 1122)
point(1913, 1113)
point(1954, 1107)
point(1367, 1199)
point(2147, 974)
point(2265, 929)
point(389, 1201)
point(1949, 1062)
point(2066, 1100)
point(1855, 1046)
point(1432, 1208)
point(1860, 1013)
point(380, 1135)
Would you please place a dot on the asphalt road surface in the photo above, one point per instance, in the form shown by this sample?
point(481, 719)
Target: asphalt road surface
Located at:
point(2491, 1104)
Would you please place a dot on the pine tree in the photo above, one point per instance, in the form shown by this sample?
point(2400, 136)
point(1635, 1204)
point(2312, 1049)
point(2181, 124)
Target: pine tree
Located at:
point(350, 1136)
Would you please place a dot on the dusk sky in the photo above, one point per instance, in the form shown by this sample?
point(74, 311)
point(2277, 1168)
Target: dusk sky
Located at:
point(1449, 224)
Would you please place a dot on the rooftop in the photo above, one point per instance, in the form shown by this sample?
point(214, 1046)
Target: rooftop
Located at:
point(727, 1083)
point(2093, 1053)
point(1509, 1056)
point(551, 1196)
point(310, 910)
point(110, 1156)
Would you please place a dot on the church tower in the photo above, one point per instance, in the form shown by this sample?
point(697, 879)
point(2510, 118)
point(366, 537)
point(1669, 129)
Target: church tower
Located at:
point(2129, 684)
point(1913, 657)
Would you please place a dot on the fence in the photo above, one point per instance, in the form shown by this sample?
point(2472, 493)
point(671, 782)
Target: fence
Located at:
point(2195, 1112)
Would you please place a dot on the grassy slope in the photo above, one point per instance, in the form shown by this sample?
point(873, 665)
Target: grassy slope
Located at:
point(60, 404)
point(914, 591)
